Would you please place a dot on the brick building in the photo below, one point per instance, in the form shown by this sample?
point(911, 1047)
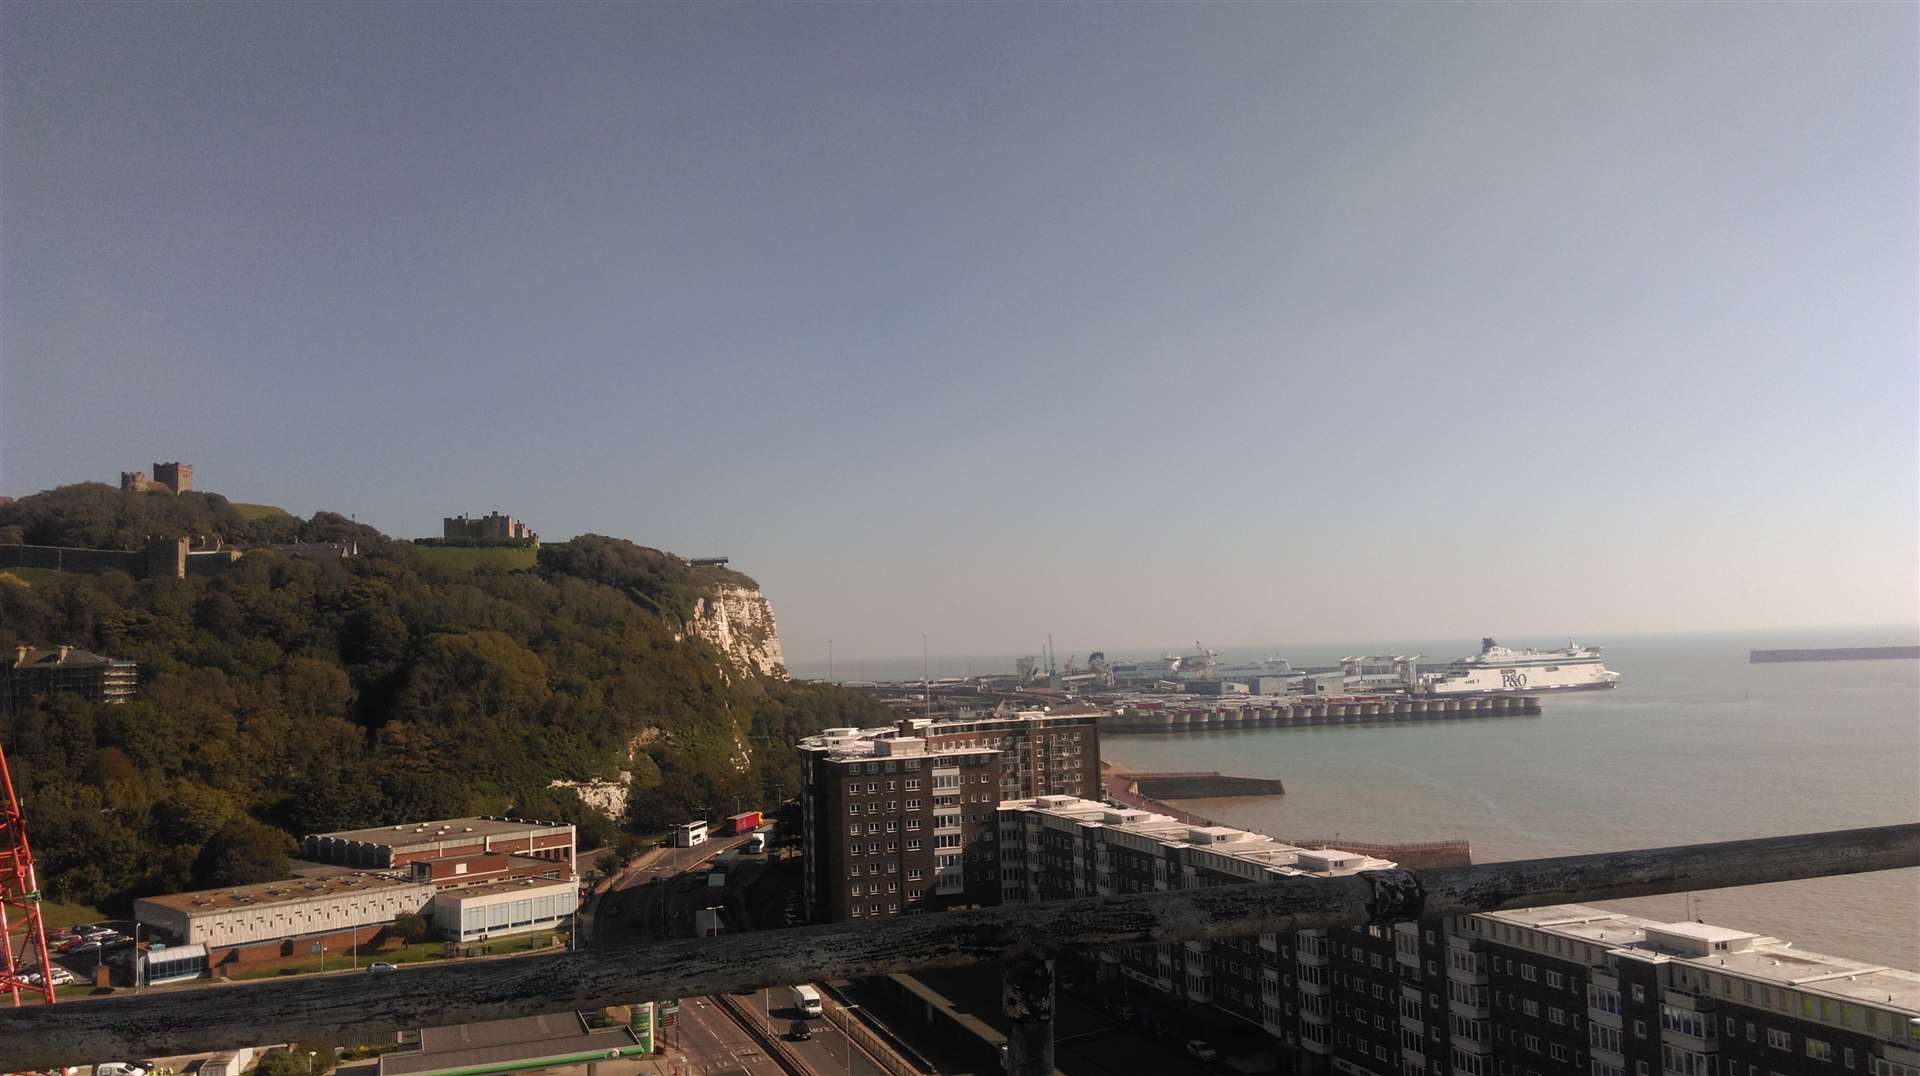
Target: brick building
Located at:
point(1044, 753)
point(900, 819)
point(893, 828)
point(452, 838)
point(65, 670)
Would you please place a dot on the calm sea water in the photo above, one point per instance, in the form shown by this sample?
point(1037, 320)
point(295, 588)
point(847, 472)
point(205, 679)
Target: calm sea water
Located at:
point(1694, 745)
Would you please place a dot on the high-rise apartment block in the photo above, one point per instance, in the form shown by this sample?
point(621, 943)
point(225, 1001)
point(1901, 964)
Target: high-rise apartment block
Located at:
point(901, 819)
point(1555, 991)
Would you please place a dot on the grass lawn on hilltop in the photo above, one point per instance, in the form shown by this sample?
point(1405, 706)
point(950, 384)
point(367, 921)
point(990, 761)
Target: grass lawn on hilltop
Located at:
point(36, 577)
point(467, 558)
point(257, 511)
point(54, 914)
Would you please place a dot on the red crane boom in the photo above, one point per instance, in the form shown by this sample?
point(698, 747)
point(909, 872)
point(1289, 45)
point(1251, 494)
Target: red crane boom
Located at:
point(20, 926)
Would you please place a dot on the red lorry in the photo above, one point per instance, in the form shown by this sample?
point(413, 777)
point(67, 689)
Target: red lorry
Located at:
point(744, 822)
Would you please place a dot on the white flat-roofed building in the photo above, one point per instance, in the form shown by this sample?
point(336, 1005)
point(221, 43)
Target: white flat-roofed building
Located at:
point(479, 912)
point(273, 911)
point(1732, 997)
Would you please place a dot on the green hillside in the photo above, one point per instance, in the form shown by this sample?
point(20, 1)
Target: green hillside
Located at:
point(467, 558)
point(34, 577)
point(290, 696)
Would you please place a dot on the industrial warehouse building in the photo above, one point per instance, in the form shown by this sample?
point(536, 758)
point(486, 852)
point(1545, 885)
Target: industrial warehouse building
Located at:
point(385, 847)
point(250, 923)
point(270, 919)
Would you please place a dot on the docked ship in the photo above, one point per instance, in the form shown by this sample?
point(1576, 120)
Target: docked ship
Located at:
point(1500, 668)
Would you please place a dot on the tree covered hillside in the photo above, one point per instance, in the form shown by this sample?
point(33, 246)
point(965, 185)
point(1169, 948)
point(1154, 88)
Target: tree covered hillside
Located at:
point(290, 696)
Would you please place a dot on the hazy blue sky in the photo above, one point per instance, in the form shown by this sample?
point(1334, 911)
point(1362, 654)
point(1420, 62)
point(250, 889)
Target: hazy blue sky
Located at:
point(1137, 324)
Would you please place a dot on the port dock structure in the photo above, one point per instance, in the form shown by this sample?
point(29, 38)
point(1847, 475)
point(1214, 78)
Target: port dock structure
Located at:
point(1311, 712)
point(1023, 939)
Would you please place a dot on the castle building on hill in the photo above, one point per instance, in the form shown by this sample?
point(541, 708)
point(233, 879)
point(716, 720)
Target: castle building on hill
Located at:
point(167, 478)
point(488, 528)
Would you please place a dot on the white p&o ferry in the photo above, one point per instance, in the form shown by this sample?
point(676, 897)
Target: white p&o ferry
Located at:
point(1499, 668)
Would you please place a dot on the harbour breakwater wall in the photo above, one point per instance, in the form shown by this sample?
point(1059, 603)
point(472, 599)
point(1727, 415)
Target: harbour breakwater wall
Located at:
point(1123, 786)
point(1200, 786)
point(1143, 718)
point(1838, 653)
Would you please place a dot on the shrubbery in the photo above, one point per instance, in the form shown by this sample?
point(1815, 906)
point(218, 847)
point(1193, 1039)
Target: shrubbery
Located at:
point(292, 696)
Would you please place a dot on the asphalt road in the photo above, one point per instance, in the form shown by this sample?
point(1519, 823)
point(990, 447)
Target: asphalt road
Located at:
point(712, 1042)
point(655, 896)
point(827, 1053)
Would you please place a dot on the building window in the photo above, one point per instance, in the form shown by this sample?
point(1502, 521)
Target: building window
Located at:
point(1820, 1050)
point(1780, 1040)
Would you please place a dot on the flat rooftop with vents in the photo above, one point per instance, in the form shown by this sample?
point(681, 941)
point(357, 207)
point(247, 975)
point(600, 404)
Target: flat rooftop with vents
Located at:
point(397, 846)
point(270, 911)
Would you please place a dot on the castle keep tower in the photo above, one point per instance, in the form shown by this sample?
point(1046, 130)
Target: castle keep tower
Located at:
point(177, 477)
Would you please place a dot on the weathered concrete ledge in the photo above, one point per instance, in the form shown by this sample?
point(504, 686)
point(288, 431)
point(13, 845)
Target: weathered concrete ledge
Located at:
point(363, 1008)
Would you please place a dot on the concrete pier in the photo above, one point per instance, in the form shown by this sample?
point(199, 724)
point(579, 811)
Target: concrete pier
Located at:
point(1268, 713)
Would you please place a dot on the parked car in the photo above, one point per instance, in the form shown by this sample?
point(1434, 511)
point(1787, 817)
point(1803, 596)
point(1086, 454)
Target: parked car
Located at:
point(1201, 1050)
point(61, 977)
point(380, 966)
point(800, 1030)
point(123, 1068)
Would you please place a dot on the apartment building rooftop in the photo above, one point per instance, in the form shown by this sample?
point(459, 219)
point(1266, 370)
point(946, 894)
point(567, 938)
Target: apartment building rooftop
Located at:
point(1230, 850)
point(879, 743)
point(1728, 952)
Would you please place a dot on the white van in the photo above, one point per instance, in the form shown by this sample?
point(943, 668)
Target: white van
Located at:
point(807, 1000)
point(757, 843)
